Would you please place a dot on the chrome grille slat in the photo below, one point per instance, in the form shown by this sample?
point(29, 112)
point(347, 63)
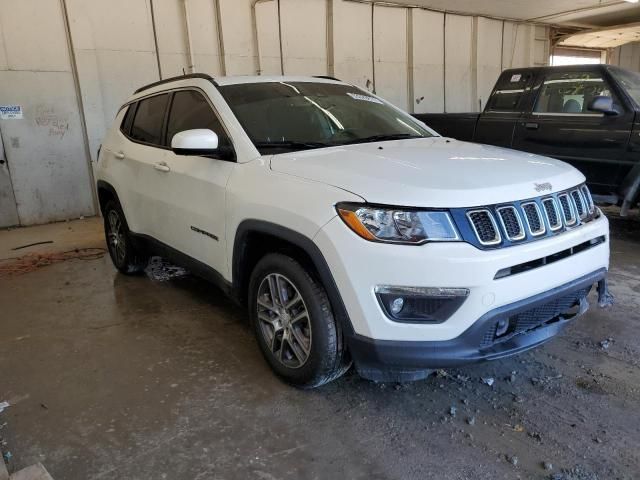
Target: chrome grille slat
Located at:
point(588, 198)
point(511, 223)
point(578, 202)
point(568, 212)
point(534, 219)
point(552, 213)
point(484, 226)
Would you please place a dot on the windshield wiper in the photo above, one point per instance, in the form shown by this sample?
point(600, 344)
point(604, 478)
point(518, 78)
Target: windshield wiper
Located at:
point(382, 138)
point(286, 144)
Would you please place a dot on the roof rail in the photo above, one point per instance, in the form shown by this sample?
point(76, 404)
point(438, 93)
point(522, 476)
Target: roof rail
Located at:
point(204, 76)
point(327, 77)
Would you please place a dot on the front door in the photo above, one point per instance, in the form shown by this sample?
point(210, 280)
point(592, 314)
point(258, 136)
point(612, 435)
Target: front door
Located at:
point(8, 208)
point(562, 126)
point(196, 185)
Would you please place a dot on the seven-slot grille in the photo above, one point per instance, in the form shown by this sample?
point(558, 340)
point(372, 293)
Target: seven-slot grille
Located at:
point(532, 218)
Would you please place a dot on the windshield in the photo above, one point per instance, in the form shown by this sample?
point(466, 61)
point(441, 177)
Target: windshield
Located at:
point(630, 81)
point(287, 116)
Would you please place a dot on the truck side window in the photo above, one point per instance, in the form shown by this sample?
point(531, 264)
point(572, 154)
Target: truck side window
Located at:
point(570, 93)
point(508, 92)
point(190, 110)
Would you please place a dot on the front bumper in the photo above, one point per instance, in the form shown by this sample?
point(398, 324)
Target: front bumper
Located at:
point(535, 320)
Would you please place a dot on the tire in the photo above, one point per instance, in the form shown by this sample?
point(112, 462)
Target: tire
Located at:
point(121, 248)
point(302, 343)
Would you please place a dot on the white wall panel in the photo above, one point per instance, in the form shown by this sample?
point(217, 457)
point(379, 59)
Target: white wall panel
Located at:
point(488, 57)
point(304, 43)
point(390, 54)
point(204, 36)
point(352, 43)
point(172, 37)
point(268, 37)
point(458, 70)
point(237, 29)
point(428, 61)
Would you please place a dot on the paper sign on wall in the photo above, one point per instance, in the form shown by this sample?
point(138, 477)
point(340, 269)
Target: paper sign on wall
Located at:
point(10, 112)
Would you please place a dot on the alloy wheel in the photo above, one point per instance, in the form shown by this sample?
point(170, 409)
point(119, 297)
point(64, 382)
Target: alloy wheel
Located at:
point(284, 320)
point(116, 237)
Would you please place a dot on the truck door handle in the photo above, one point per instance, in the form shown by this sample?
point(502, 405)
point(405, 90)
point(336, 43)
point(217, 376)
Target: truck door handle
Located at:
point(119, 155)
point(162, 167)
point(531, 125)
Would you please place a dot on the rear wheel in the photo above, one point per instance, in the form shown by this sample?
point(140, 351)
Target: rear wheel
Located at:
point(121, 249)
point(294, 325)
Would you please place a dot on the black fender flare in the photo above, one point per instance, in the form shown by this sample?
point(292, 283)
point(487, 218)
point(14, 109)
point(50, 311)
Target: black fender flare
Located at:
point(630, 190)
point(304, 243)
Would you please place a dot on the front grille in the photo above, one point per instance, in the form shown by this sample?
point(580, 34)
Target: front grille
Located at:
point(533, 218)
point(511, 223)
point(553, 214)
point(568, 214)
point(579, 204)
point(484, 226)
point(503, 225)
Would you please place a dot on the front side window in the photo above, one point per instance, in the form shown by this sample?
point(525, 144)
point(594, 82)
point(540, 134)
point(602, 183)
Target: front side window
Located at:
point(286, 116)
point(509, 92)
point(147, 124)
point(570, 93)
point(190, 110)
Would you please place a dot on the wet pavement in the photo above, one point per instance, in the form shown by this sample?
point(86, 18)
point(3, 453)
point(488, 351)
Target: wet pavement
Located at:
point(111, 377)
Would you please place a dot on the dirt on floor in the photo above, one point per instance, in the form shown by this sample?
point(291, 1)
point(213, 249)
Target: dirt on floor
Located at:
point(159, 377)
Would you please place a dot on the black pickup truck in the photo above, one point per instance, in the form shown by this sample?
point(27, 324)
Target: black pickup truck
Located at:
point(586, 115)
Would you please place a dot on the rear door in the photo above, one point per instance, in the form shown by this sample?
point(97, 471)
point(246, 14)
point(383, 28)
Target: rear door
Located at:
point(496, 124)
point(142, 157)
point(195, 186)
point(561, 126)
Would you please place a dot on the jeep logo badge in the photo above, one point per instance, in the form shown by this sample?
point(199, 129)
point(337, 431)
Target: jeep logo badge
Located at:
point(541, 187)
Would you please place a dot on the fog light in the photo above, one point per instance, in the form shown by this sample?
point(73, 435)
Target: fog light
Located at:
point(420, 304)
point(396, 305)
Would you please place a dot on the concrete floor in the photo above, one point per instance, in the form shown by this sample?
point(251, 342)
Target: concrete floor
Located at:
point(114, 377)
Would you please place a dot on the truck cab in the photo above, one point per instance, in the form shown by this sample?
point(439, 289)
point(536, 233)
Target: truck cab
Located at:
point(585, 115)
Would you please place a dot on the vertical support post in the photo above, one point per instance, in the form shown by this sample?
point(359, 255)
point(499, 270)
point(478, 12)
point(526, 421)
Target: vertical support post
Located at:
point(474, 62)
point(410, 86)
point(192, 63)
point(373, 46)
point(155, 38)
point(330, 48)
point(280, 38)
point(223, 60)
point(83, 120)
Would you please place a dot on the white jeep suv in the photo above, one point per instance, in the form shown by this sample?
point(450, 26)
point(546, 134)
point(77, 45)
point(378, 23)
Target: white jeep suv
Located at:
point(352, 231)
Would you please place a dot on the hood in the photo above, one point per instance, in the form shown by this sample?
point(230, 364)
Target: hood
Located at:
point(431, 172)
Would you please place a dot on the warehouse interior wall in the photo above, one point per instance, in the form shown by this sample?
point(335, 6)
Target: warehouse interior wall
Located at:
point(70, 64)
point(626, 56)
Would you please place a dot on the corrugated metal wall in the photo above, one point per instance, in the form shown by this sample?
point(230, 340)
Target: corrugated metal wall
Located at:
point(423, 61)
point(626, 56)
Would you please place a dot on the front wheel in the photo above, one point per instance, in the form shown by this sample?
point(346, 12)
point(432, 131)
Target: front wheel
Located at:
point(121, 249)
point(294, 324)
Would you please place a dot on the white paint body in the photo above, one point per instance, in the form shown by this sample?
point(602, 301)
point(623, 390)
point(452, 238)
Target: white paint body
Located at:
point(299, 191)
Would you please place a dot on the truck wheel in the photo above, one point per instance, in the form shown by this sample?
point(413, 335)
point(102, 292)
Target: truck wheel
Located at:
point(121, 250)
point(293, 323)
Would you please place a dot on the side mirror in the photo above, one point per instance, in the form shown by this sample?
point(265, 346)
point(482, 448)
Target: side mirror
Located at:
point(200, 141)
point(603, 105)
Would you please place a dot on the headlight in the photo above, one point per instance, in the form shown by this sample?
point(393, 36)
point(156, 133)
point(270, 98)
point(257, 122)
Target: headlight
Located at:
point(398, 225)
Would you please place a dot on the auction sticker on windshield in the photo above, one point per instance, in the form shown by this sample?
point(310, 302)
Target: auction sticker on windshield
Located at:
point(366, 98)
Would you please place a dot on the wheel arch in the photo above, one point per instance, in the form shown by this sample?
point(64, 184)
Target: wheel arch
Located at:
point(256, 238)
point(106, 192)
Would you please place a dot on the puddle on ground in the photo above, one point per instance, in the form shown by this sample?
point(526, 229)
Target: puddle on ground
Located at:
point(161, 270)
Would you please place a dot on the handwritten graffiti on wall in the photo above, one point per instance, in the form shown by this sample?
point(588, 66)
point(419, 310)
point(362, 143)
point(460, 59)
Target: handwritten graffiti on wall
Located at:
point(56, 123)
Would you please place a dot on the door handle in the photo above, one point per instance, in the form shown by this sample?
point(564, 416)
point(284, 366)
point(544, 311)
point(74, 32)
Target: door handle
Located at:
point(531, 125)
point(119, 155)
point(161, 167)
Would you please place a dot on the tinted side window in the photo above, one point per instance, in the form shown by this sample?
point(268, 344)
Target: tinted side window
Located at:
point(509, 91)
point(147, 125)
point(128, 119)
point(190, 110)
point(570, 92)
